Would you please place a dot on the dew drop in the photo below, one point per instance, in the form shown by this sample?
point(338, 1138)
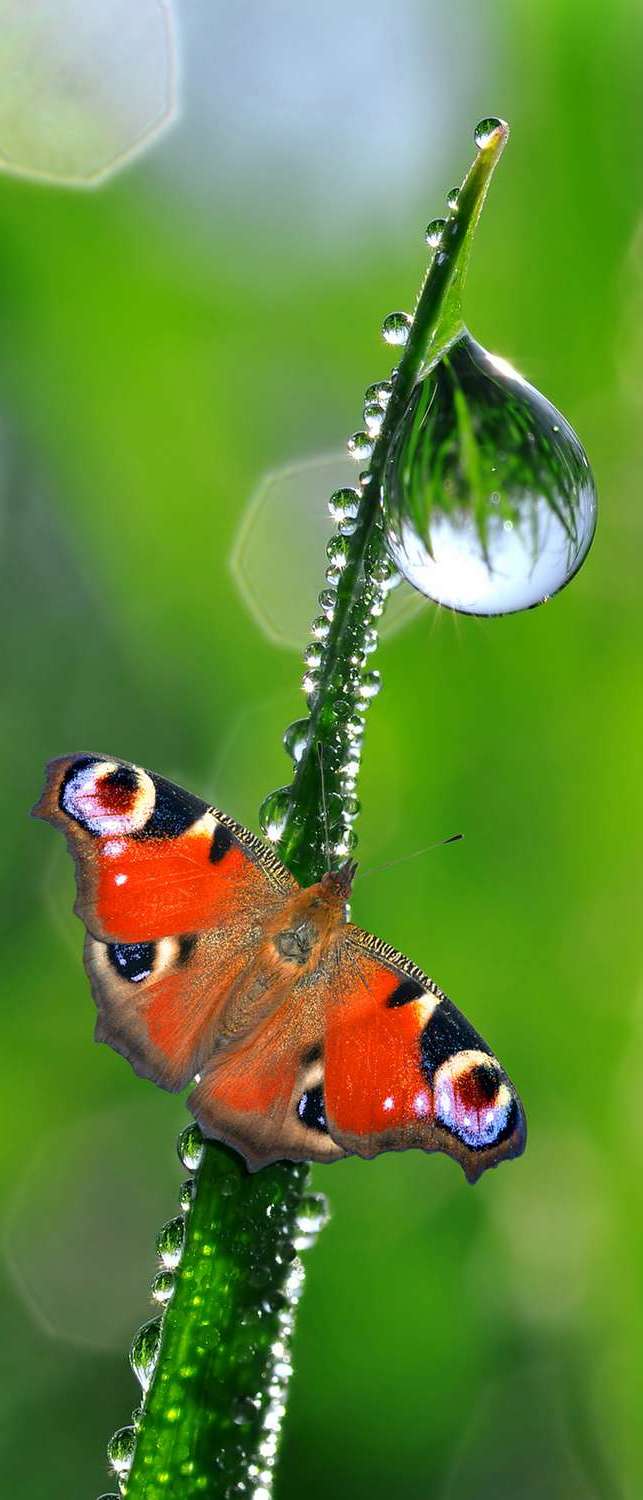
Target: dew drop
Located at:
point(337, 551)
point(144, 1352)
point(169, 1242)
point(369, 686)
point(355, 727)
point(351, 807)
point(163, 1287)
point(373, 418)
point(485, 131)
point(344, 504)
point(345, 844)
point(370, 641)
point(452, 198)
point(320, 628)
point(313, 655)
point(313, 1213)
point(190, 1147)
point(273, 813)
point(433, 233)
point(187, 1192)
point(296, 737)
point(360, 446)
point(490, 504)
point(121, 1449)
point(327, 601)
point(333, 576)
point(396, 327)
point(380, 393)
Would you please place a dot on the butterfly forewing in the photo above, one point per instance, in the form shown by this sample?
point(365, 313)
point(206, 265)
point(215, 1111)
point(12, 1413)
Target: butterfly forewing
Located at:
point(175, 897)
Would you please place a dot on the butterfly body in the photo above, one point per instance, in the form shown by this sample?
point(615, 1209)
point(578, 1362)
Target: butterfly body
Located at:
point(308, 1038)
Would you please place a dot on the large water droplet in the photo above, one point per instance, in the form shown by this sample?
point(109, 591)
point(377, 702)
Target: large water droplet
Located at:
point(121, 1449)
point(433, 233)
point(273, 813)
point(452, 198)
point(396, 327)
point(489, 500)
point(190, 1147)
point(485, 131)
point(144, 1352)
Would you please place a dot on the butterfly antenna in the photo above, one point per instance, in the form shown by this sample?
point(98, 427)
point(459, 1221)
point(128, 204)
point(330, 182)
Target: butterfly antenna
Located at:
point(320, 755)
point(390, 864)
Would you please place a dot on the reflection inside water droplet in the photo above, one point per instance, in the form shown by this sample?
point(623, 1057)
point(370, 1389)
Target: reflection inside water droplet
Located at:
point(489, 500)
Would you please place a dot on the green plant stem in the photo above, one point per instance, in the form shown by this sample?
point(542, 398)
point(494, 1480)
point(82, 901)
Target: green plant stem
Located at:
point(211, 1414)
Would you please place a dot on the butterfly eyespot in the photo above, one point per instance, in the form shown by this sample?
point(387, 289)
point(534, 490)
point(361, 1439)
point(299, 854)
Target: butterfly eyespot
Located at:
point(312, 1111)
point(107, 798)
point(132, 961)
point(447, 1034)
point(473, 1101)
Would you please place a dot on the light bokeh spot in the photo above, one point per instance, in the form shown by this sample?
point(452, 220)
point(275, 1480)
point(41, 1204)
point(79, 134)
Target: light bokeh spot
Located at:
point(278, 558)
point(84, 85)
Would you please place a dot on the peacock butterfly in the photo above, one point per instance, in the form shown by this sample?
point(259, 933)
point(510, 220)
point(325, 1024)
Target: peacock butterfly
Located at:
point(308, 1038)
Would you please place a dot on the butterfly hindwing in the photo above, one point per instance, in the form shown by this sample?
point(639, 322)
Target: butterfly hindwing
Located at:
point(403, 1067)
point(174, 896)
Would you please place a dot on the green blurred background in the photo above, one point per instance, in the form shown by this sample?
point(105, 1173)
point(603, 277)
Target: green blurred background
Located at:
point(208, 315)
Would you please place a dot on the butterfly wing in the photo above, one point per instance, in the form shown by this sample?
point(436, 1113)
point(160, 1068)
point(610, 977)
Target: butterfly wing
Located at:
point(365, 1054)
point(403, 1067)
point(174, 896)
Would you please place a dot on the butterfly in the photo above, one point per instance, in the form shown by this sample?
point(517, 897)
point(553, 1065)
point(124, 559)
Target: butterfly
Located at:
point(307, 1038)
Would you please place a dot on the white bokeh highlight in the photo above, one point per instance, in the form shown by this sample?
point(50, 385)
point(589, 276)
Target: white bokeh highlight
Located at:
point(85, 85)
point(278, 557)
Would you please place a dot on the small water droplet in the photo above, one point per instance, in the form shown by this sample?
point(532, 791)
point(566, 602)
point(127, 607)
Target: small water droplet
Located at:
point(369, 686)
point(485, 131)
point(190, 1147)
point(273, 813)
point(121, 1449)
point(337, 552)
point(313, 656)
point(144, 1352)
point(163, 1287)
point(296, 738)
point(360, 446)
point(373, 418)
point(383, 573)
point(344, 504)
point(327, 601)
point(380, 392)
point(351, 807)
point(396, 327)
point(452, 198)
point(313, 1213)
point(169, 1242)
point(370, 641)
point(488, 510)
point(187, 1191)
point(320, 628)
point(333, 576)
point(345, 844)
point(355, 727)
point(433, 232)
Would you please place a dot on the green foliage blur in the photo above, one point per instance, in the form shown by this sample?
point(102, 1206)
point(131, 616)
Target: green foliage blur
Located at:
point(162, 345)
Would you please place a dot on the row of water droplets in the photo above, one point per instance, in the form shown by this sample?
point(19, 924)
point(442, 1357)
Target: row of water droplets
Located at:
point(358, 685)
point(146, 1344)
point(310, 1218)
point(351, 696)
